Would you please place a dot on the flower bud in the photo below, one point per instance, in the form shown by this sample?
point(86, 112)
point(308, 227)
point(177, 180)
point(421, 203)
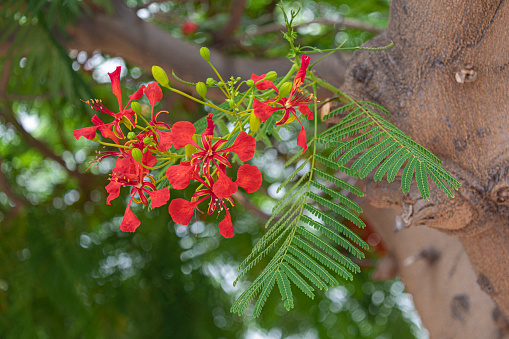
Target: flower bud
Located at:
point(131, 135)
point(205, 53)
point(201, 88)
point(147, 140)
point(160, 76)
point(190, 149)
point(231, 103)
point(137, 155)
point(285, 89)
point(136, 107)
point(250, 83)
point(254, 122)
point(210, 82)
point(271, 76)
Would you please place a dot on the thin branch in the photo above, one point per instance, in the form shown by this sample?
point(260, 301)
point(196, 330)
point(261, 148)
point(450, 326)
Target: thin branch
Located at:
point(84, 178)
point(346, 22)
point(241, 199)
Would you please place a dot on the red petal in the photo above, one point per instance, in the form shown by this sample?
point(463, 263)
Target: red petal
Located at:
point(304, 109)
point(301, 74)
point(181, 211)
point(302, 140)
point(130, 223)
point(182, 134)
point(164, 141)
point(107, 132)
point(244, 146)
point(153, 93)
point(263, 111)
point(115, 86)
point(87, 132)
point(210, 125)
point(159, 197)
point(148, 159)
point(265, 84)
point(113, 188)
point(179, 176)
point(138, 94)
point(249, 178)
point(122, 165)
point(224, 187)
point(226, 227)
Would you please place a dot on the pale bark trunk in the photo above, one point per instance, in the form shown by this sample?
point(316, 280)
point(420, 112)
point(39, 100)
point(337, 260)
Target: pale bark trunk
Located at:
point(446, 84)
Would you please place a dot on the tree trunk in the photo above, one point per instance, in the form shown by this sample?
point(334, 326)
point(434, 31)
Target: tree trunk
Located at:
point(445, 82)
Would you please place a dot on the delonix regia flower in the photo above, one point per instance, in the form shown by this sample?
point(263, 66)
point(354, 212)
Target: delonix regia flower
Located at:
point(112, 129)
point(130, 172)
point(295, 100)
point(219, 191)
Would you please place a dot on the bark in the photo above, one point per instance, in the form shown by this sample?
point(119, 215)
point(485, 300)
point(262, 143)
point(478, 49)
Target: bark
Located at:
point(446, 84)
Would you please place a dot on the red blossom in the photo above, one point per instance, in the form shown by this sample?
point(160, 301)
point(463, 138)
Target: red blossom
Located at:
point(295, 100)
point(209, 151)
point(189, 27)
point(129, 172)
point(219, 191)
point(112, 129)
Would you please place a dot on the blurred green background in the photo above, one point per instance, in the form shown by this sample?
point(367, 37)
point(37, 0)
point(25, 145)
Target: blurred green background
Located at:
point(67, 271)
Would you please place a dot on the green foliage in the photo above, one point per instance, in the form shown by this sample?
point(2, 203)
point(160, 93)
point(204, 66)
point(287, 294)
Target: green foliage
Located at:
point(306, 228)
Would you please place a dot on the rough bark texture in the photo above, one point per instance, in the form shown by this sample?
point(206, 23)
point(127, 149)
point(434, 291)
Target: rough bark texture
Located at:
point(446, 84)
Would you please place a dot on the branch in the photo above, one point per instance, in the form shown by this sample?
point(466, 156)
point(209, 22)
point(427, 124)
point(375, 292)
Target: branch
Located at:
point(85, 179)
point(144, 44)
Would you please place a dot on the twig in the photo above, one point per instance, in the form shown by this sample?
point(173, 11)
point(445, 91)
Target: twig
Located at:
point(347, 22)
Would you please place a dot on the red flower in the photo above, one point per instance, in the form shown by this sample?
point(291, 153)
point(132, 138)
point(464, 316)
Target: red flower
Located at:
point(219, 191)
point(209, 152)
point(129, 172)
point(294, 100)
point(189, 28)
point(110, 130)
point(154, 95)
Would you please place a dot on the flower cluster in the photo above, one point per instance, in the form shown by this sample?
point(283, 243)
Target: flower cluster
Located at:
point(157, 151)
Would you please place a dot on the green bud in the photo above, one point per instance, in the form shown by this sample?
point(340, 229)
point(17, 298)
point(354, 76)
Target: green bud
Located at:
point(136, 107)
point(231, 103)
point(147, 140)
point(210, 82)
point(254, 122)
point(271, 76)
point(205, 53)
point(250, 83)
point(131, 135)
point(285, 89)
point(160, 76)
point(238, 79)
point(137, 155)
point(201, 88)
point(220, 83)
point(190, 149)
